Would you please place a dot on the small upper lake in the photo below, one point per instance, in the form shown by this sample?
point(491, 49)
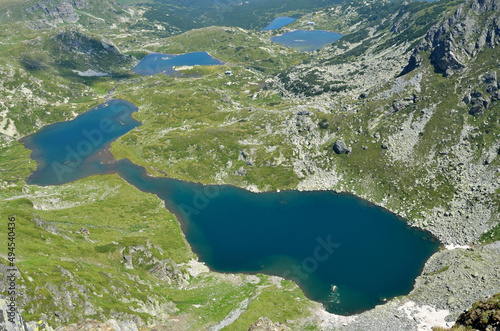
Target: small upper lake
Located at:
point(342, 251)
point(307, 41)
point(279, 22)
point(164, 63)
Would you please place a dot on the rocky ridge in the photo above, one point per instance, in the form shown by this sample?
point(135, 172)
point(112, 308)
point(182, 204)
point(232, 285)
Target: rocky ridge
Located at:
point(474, 26)
point(46, 14)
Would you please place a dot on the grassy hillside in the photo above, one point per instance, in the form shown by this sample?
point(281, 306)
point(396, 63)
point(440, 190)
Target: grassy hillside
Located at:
point(66, 274)
point(416, 148)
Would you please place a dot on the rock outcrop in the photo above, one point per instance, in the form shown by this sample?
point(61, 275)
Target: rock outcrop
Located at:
point(265, 324)
point(484, 315)
point(165, 269)
point(11, 320)
point(474, 26)
point(54, 12)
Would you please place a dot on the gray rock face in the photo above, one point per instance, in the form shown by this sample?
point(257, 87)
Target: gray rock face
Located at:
point(245, 157)
point(490, 158)
point(478, 103)
point(19, 324)
point(478, 106)
point(240, 172)
point(398, 105)
point(167, 270)
point(46, 225)
point(6, 313)
point(340, 148)
point(57, 11)
point(495, 97)
point(491, 82)
point(459, 37)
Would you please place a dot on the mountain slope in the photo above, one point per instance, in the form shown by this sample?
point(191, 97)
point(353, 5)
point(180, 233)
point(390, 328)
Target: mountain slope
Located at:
point(424, 144)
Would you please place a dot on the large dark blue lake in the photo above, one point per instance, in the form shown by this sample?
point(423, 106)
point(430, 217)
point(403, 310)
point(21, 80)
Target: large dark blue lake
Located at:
point(307, 41)
point(156, 63)
point(342, 251)
point(279, 22)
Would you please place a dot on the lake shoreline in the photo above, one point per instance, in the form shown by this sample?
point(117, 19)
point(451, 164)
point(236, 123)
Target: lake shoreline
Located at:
point(308, 189)
point(145, 66)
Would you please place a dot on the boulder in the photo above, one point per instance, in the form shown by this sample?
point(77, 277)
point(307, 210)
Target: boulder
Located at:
point(490, 158)
point(495, 97)
point(240, 172)
point(340, 148)
point(476, 94)
point(398, 105)
point(467, 99)
point(128, 261)
point(490, 77)
point(167, 270)
point(477, 109)
point(478, 106)
point(85, 231)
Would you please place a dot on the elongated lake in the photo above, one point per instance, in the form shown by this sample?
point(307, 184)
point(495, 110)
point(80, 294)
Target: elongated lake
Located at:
point(342, 251)
point(279, 22)
point(156, 63)
point(307, 41)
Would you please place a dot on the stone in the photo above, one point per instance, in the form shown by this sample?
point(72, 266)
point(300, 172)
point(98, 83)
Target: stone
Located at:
point(495, 97)
point(245, 158)
point(240, 172)
point(128, 261)
point(384, 145)
point(476, 94)
point(85, 231)
point(491, 88)
point(477, 109)
point(490, 158)
point(490, 78)
point(340, 148)
point(323, 124)
point(167, 270)
point(467, 99)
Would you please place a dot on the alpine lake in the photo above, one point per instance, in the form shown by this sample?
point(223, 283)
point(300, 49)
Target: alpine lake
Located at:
point(342, 251)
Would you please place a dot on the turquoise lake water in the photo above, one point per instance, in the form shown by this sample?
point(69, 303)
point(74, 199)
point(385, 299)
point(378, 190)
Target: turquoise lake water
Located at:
point(307, 41)
point(321, 240)
point(156, 63)
point(279, 22)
